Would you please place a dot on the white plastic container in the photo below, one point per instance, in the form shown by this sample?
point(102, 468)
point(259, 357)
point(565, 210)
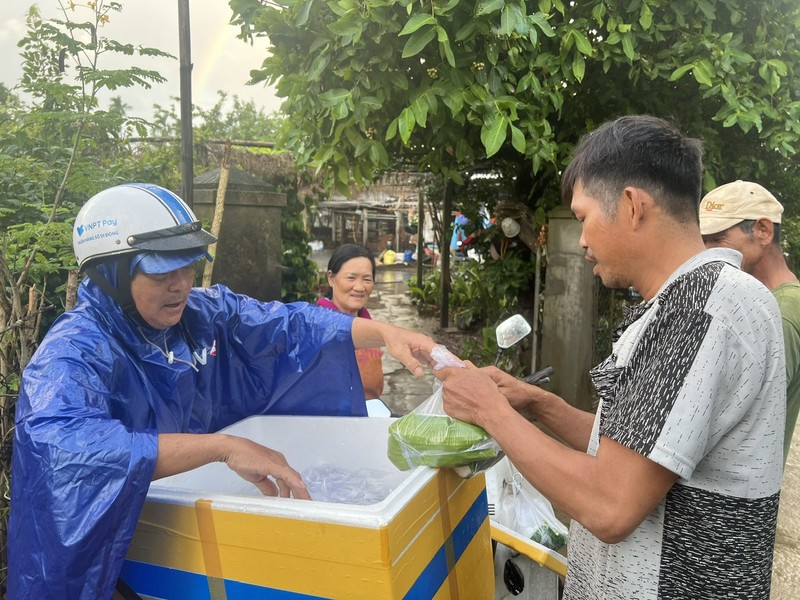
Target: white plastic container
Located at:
point(208, 531)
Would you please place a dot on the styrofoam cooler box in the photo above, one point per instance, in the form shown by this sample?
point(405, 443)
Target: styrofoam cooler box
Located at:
point(209, 534)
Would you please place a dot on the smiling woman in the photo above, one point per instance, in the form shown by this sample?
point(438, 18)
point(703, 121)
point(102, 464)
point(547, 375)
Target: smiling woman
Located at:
point(351, 279)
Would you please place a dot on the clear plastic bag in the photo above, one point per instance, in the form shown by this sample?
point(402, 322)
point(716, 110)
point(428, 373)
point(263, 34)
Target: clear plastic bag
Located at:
point(523, 509)
point(330, 483)
point(427, 436)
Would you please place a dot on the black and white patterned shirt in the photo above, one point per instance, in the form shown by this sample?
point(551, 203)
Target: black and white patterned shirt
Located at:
point(696, 384)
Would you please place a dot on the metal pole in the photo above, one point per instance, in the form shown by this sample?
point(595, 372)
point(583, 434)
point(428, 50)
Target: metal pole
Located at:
point(185, 52)
point(444, 254)
point(420, 240)
point(537, 282)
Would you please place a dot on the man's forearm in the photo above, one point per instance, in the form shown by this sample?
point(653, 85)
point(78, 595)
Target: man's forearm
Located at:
point(571, 425)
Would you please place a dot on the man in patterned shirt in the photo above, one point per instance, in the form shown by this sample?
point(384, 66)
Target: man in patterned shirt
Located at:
point(673, 485)
point(746, 217)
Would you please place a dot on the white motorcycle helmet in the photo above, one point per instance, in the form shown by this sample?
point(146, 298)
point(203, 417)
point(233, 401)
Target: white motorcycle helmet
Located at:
point(135, 222)
point(132, 218)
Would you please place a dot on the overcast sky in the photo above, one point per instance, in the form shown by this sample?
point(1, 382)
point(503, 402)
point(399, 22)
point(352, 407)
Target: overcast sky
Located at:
point(221, 61)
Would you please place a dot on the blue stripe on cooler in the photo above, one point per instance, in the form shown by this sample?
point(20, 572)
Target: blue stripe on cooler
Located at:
point(237, 590)
point(435, 574)
point(157, 581)
point(163, 583)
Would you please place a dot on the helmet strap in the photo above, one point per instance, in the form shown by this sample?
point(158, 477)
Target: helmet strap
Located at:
point(121, 294)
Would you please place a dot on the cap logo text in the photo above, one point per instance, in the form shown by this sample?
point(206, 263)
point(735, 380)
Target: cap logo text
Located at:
point(711, 205)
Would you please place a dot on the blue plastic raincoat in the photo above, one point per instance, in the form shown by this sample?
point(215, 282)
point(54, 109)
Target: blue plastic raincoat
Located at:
point(101, 387)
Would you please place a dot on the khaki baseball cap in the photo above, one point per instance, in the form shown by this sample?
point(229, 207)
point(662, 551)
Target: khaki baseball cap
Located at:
point(734, 202)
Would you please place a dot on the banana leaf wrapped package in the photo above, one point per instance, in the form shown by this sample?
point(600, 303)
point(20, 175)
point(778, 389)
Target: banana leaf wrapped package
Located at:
point(429, 437)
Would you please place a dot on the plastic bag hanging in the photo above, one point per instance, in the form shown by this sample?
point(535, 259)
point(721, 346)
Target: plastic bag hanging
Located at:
point(525, 510)
point(429, 437)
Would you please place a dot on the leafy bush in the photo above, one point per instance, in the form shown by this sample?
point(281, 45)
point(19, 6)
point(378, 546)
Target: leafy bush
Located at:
point(483, 294)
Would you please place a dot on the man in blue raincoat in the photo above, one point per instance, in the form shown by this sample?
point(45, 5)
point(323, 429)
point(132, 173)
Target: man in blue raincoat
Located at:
point(131, 385)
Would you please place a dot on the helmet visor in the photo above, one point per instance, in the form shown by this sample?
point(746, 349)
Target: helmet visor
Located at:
point(156, 263)
point(180, 237)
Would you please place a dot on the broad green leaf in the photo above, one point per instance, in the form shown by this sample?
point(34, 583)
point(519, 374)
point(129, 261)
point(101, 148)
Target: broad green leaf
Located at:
point(353, 136)
point(578, 66)
point(391, 131)
point(540, 19)
point(318, 65)
point(493, 134)
point(466, 31)
point(729, 94)
point(406, 124)
point(645, 16)
point(418, 40)
point(743, 58)
point(627, 46)
point(420, 109)
point(680, 72)
point(493, 52)
point(378, 155)
point(302, 16)
point(517, 139)
point(582, 42)
point(343, 175)
point(707, 9)
point(361, 147)
point(340, 111)
point(773, 83)
point(453, 100)
point(509, 18)
point(333, 97)
point(370, 101)
point(345, 28)
point(778, 66)
point(487, 7)
point(447, 51)
point(598, 12)
point(703, 72)
point(417, 21)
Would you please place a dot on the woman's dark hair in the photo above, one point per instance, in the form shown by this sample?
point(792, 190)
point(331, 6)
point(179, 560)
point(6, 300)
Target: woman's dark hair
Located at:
point(344, 253)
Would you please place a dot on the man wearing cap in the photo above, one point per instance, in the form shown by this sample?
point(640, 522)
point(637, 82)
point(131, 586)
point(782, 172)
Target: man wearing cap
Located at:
point(132, 384)
point(746, 217)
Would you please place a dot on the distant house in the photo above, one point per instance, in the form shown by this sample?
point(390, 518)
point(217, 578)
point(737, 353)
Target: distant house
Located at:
point(384, 212)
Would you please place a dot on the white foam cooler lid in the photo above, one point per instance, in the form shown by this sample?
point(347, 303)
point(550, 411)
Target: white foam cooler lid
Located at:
point(306, 442)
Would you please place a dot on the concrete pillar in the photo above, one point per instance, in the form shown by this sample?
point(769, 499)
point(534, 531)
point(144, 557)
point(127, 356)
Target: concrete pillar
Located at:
point(569, 308)
point(248, 253)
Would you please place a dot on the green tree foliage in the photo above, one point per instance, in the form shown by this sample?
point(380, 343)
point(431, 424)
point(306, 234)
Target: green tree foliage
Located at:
point(458, 86)
point(444, 85)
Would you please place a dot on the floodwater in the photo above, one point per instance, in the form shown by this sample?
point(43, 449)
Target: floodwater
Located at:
point(403, 392)
point(390, 303)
